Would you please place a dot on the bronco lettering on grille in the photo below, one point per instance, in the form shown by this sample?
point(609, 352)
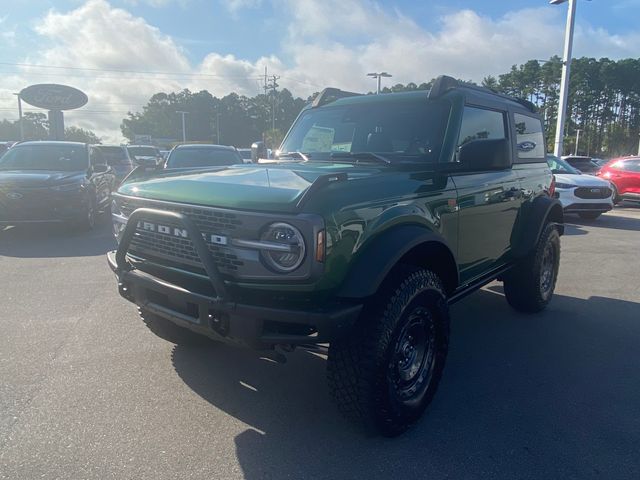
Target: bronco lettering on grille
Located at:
point(180, 232)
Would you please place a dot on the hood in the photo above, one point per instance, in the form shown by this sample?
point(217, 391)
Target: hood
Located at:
point(581, 180)
point(250, 187)
point(36, 178)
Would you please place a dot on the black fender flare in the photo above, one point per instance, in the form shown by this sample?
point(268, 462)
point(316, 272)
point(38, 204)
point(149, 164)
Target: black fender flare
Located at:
point(382, 253)
point(542, 210)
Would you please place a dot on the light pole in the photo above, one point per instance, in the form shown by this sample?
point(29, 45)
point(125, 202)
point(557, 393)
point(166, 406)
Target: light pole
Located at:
point(20, 122)
point(575, 153)
point(184, 129)
point(379, 76)
point(639, 146)
point(566, 73)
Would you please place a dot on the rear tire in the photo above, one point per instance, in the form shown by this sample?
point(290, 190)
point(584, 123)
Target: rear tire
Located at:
point(387, 371)
point(171, 332)
point(529, 285)
point(589, 215)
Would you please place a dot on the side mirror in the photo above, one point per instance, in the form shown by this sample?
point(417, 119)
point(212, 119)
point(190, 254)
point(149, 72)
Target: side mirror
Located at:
point(258, 151)
point(485, 155)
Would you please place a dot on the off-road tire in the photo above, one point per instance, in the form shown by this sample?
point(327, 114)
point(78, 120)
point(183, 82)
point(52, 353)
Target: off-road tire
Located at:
point(363, 374)
point(527, 286)
point(589, 215)
point(171, 332)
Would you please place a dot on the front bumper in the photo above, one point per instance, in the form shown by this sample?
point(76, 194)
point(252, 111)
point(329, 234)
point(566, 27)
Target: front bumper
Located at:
point(251, 325)
point(574, 204)
point(217, 315)
point(44, 209)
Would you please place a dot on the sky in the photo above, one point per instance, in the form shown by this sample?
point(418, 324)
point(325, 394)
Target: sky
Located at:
point(120, 52)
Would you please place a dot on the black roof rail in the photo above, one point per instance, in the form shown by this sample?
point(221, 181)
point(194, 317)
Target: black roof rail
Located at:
point(329, 95)
point(444, 83)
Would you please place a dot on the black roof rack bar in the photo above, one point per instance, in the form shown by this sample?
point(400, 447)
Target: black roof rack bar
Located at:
point(444, 83)
point(329, 95)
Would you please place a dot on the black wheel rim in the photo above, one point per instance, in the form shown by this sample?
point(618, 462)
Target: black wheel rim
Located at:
point(547, 270)
point(413, 358)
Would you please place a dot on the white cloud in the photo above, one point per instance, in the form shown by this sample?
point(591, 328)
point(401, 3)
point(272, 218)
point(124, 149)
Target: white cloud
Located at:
point(317, 52)
point(235, 5)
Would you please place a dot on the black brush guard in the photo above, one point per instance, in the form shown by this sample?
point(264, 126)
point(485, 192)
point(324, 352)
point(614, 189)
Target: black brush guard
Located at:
point(218, 316)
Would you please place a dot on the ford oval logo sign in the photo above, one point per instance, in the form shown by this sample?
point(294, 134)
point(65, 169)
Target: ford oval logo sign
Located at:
point(526, 146)
point(54, 97)
point(14, 195)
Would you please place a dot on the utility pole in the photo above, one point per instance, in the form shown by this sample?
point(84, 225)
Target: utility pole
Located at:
point(218, 128)
point(273, 86)
point(577, 141)
point(566, 73)
point(20, 122)
point(184, 128)
point(378, 77)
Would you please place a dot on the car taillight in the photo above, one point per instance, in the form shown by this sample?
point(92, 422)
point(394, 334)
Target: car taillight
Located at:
point(552, 187)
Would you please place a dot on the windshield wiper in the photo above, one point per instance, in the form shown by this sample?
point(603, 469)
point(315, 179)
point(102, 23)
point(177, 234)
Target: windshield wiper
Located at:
point(303, 156)
point(362, 156)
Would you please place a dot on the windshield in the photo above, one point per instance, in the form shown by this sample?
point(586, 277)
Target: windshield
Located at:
point(245, 153)
point(64, 158)
point(115, 155)
point(143, 151)
point(560, 166)
point(399, 130)
point(202, 157)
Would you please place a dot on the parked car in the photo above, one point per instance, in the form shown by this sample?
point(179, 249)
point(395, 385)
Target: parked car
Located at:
point(54, 182)
point(117, 157)
point(202, 156)
point(389, 213)
point(586, 195)
point(584, 164)
point(624, 175)
point(245, 153)
point(145, 155)
point(165, 153)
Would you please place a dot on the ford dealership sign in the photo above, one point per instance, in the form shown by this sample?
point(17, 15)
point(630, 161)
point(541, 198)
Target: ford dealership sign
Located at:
point(53, 97)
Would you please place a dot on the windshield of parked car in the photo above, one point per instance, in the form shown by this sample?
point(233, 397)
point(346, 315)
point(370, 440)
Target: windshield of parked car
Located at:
point(398, 130)
point(202, 157)
point(245, 153)
point(560, 166)
point(115, 155)
point(65, 158)
point(143, 151)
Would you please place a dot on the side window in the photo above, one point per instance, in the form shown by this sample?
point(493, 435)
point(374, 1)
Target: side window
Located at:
point(529, 137)
point(95, 157)
point(481, 124)
point(631, 166)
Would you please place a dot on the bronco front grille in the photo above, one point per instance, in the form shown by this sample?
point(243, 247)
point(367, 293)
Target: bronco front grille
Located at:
point(153, 244)
point(592, 192)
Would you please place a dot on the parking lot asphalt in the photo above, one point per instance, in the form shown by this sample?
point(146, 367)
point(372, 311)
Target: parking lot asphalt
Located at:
point(87, 392)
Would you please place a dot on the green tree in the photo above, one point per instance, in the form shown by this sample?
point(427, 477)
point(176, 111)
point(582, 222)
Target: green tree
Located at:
point(77, 134)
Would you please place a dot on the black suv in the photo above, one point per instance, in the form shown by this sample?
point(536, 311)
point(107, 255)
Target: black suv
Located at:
point(54, 182)
point(379, 212)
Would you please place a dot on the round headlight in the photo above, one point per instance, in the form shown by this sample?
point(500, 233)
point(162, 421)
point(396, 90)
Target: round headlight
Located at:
point(285, 249)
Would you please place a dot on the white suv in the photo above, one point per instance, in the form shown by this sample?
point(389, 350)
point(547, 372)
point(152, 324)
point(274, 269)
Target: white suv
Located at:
point(586, 195)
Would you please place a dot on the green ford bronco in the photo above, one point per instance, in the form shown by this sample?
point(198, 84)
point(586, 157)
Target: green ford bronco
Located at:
point(378, 212)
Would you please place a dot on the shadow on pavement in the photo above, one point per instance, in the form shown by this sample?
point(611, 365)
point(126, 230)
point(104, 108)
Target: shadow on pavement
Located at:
point(56, 240)
point(570, 229)
point(554, 395)
point(617, 222)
